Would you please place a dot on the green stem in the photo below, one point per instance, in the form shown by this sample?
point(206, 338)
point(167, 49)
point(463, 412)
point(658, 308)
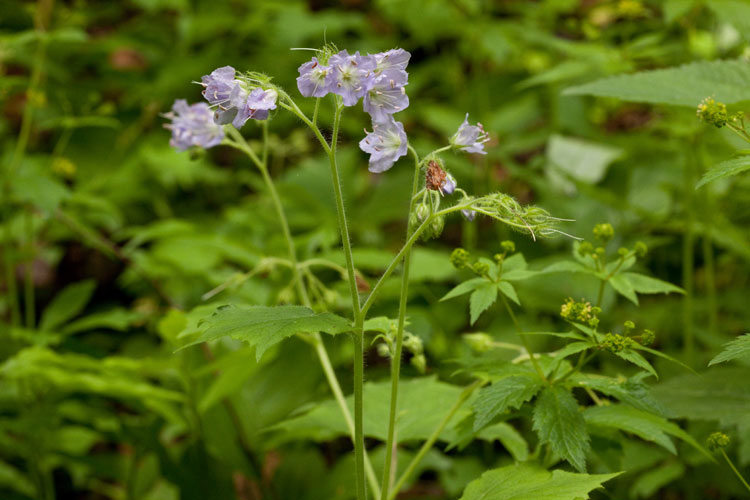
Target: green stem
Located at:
point(688, 258)
point(523, 338)
point(320, 349)
point(731, 465)
point(396, 358)
point(433, 438)
point(358, 337)
point(315, 112)
point(10, 276)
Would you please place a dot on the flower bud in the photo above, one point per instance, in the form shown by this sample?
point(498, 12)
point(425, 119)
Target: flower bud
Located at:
point(460, 258)
point(413, 344)
point(419, 362)
point(712, 112)
point(422, 211)
point(622, 251)
point(383, 350)
point(647, 338)
point(480, 268)
point(508, 246)
point(629, 325)
point(576, 311)
point(604, 232)
point(479, 342)
point(641, 249)
point(717, 441)
point(468, 214)
point(585, 248)
point(615, 342)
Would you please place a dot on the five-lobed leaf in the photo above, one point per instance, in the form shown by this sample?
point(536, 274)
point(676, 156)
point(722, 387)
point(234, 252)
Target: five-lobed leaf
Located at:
point(525, 482)
point(559, 423)
point(738, 348)
point(264, 326)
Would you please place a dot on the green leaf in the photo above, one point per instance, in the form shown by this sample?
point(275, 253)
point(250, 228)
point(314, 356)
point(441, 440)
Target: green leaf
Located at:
point(264, 326)
point(623, 287)
point(649, 483)
point(638, 360)
point(582, 160)
point(718, 395)
point(645, 425)
point(567, 266)
point(727, 168)
point(562, 335)
point(67, 304)
point(508, 290)
point(660, 354)
point(738, 348)
point(646, 284)
point(483, 297)
point(463, 288)
point(559, 423)
point(684, 85)
point(423, 403)
point(628, 390)
point(509, 437)
point(525, 482)
point(506, 393)
point(569, 350)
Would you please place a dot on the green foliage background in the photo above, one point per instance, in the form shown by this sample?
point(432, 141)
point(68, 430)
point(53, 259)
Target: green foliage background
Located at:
point(121, 237)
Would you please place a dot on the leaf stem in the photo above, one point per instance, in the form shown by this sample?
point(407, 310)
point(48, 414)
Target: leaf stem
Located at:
point(731, 465)
point(396, 358)
point(434, 437)
point(523, 338)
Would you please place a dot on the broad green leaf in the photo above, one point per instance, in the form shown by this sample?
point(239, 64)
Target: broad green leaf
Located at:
point(646, 284)
point(559, 423)
point(506, 393)
point(263, 326)
point(718, 395)
point(525, 482)
point(14, 479)
point(569, 350)
point(563, 335)
point(645, 425)
point(582, 160)
point(623, 287)
point(638, 360)
point(114, 319)
point(235, 371)
point(649, 483)
point(423, 403)
point(508, 290)
point(684, 85)
point(516, 262)
point(463, 288)
point(628, 390)
point(482, 298)
point(67, 304)
point(738, 348)
point(509, 437)
point(727, 168)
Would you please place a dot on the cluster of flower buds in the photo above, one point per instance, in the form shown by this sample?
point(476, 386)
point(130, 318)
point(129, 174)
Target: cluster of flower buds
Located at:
point(712, 112)
point(614, 342)
point(580, 312)
point(461, 259)
point(604, 233)
point(717, 441)
point(411, 343)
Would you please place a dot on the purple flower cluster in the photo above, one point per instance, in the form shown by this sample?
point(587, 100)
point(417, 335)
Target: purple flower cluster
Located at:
point(235, 102)
point(193, 126)
point(380, 80)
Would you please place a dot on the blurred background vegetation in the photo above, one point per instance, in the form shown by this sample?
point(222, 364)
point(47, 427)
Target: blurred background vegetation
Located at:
point(110, 238)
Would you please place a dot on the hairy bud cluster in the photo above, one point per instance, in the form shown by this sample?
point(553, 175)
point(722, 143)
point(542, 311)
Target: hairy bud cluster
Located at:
point(505, 208)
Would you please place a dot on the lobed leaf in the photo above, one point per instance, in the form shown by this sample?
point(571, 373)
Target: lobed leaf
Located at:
point(560, 424)
point(504, 394)
point(481, 299)
point(727, 168)
point(739, 348)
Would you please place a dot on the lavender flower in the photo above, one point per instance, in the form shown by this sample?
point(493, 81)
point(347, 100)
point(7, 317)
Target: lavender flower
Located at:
point(386, 143)
point(391, 59)
point(312, 80)
point(449, 185)
point(468, 214)
point(387, 95)
point(470, 138)
point(350, 76)
point(193, 126)
point(236, 105)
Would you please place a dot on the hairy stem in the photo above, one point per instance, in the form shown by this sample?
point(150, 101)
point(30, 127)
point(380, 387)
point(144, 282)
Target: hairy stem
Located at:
point(396, 358)
point(731, 465)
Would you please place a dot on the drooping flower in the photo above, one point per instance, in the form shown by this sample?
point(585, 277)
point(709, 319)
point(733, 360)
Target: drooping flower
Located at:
point(235, 103)
point(387, 94)
point(391, 59)
point(313, 79)
point(386, 143)
point(449, 185)
point(193, 126)
point(470, 138)
point(351, 76)
point(468, 214)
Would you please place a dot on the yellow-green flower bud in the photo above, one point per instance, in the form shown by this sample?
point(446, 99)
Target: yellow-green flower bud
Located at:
point(508, 246)
point(712, 112)
point(479, 342)
point(647, 338)
point(604, 232)
point(383, 350)
point(585, 248)
point(480, 268)
point(419, 362)
point(629, 325)
point(622, 251)
point(717, 441)
point(460, 258)
point(641, 249)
